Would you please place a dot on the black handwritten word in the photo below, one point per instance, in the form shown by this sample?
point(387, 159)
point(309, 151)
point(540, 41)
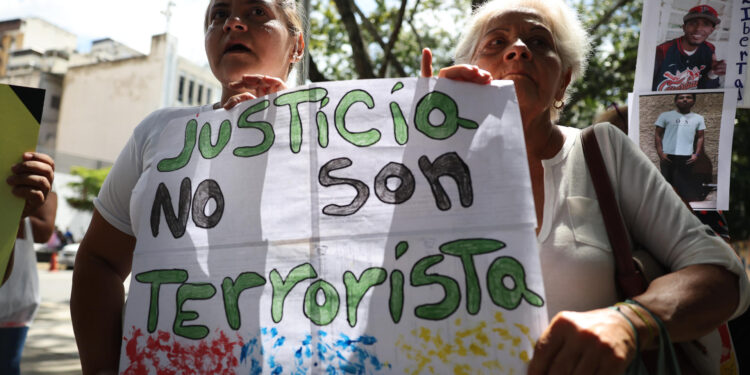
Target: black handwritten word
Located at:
point(207, 190)
point(743, 44)
point(432, 101)
point(505, 282)
point(446, 165)
point(449, 164)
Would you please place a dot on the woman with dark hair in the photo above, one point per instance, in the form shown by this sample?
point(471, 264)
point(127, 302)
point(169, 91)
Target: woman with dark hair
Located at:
point(251, 48)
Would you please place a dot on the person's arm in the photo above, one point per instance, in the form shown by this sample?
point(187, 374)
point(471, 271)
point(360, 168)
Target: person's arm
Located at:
point(690, 302)
point(698, 147)
point(42, 220)
point(658, 137)
point(96, 303)
point(658, 59)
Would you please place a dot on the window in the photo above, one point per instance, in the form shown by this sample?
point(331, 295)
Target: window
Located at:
point(200, 94)
point(190, 92)
point(180, 88)
point(55, 102)
point(208, 95)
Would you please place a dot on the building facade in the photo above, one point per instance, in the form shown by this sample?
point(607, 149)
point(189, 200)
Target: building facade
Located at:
point(94, 100)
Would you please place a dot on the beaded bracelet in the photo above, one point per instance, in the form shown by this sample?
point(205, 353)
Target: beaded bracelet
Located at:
point(630, 305)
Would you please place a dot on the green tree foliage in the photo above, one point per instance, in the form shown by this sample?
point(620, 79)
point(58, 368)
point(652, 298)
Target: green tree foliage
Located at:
point(614, 26)
point(738, 215)
point(418, 23)
point(88, 188)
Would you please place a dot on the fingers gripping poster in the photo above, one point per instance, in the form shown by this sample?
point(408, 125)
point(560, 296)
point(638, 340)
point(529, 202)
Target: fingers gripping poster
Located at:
point(360, 227)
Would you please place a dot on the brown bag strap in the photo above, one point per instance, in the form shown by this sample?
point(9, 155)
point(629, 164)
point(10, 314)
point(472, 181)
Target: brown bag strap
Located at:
point(629, 281)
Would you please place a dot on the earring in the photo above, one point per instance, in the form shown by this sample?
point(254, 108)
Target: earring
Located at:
point(558, 105)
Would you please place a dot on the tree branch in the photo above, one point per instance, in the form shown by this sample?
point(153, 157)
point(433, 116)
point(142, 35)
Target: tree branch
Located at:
point(361, 61)
point(606, 16)
point(410, 21)
point(375, 35)
point(315, 74)
point(392, 40)
point(577, 96)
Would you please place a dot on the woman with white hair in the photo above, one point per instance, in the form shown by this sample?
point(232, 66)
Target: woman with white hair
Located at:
point(541, 46)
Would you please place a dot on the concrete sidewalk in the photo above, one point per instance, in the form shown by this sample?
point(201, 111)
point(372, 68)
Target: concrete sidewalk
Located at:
point(50, 346)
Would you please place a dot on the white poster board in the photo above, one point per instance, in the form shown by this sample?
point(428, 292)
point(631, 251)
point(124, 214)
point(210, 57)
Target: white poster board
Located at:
point(381, 226)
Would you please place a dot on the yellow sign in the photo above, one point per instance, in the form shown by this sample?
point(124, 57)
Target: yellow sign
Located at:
point(20, 114)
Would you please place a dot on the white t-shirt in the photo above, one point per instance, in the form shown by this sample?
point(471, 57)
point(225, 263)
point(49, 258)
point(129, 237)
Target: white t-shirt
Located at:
point(113, 202)
point(576, 259)
point(679, 131)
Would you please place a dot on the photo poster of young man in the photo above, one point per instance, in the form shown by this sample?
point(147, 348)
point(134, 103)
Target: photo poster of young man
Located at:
point(691, 47)
point(687, 136)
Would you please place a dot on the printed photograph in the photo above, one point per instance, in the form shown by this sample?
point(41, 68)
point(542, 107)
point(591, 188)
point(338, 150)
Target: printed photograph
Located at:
point(680, 133)
point(687, 46)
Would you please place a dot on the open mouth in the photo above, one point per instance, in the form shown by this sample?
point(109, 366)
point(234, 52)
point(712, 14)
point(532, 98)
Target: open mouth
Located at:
point(236, 48)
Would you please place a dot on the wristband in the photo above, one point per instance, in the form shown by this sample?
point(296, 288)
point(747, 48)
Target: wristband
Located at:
point(651, 328)
point(632, 326)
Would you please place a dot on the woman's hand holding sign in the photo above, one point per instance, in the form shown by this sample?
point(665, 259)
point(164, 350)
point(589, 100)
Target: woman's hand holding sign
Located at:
point(254, 86)
point(461, 72)
point(32, 180)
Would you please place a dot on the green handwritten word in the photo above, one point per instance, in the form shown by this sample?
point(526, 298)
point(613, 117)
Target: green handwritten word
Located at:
point(322, 301)
point(292, 101)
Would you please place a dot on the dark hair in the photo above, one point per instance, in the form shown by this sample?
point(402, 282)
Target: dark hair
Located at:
point(685, 93)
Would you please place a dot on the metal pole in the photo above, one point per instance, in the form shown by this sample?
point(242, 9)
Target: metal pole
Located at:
point(304, 71)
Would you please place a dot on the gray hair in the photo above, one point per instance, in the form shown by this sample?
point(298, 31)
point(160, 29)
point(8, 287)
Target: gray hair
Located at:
point(571, 39)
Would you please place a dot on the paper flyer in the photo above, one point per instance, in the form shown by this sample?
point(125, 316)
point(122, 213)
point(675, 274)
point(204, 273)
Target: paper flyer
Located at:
point(21, 109)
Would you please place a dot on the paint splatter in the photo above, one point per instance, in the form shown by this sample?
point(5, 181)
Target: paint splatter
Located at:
point(471, 343)
point(160, 353)
point(317, 351)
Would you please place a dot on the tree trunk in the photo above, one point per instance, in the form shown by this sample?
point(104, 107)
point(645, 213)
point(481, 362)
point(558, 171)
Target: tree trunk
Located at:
point(375, 35)
point(315, 74)
point(361, 61)
point(392, 40)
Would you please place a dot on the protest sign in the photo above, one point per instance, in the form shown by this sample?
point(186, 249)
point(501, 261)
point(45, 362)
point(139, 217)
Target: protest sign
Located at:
point(21, 109)
point(372, 226)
